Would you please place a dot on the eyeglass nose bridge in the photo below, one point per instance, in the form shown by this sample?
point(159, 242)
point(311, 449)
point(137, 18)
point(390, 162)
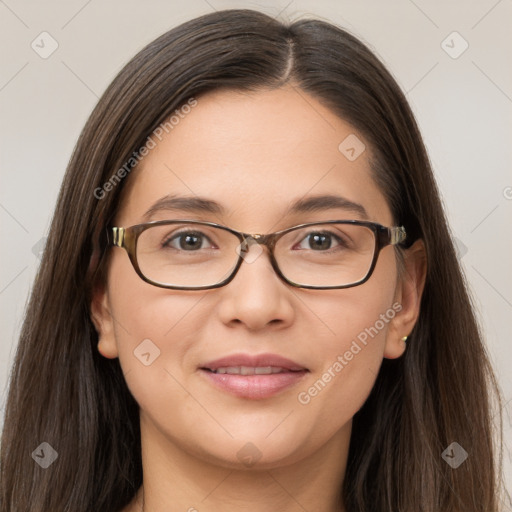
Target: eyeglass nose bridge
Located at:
point(257, 238)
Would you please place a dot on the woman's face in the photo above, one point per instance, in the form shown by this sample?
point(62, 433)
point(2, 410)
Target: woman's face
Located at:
point(253, 154)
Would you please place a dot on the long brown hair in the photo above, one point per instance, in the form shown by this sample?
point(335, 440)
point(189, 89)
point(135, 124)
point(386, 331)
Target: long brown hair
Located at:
point(64, 393)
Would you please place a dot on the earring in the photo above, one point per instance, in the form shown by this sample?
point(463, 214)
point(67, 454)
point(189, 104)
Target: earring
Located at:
point(404, 339)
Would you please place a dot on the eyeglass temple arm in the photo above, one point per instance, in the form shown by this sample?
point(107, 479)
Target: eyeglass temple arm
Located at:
point(118, 236)
point(397, 235)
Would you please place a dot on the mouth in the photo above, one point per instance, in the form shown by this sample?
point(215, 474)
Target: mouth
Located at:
point(253, 377)
point(250, 370)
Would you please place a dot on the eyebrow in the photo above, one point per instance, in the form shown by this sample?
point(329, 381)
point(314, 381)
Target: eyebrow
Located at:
point(196, 204)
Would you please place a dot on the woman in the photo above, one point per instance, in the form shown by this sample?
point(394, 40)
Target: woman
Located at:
point(175, 358)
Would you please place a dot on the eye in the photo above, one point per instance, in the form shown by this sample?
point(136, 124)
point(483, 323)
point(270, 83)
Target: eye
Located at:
point(187, 241)
point(321, 240)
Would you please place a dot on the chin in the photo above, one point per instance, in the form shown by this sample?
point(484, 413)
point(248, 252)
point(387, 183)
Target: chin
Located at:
point(256, 452)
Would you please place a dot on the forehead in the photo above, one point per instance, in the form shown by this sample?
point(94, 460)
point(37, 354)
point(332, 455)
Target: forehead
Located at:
point(255, 153)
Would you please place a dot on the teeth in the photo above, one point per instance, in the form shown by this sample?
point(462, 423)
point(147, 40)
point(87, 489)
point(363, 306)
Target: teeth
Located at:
point(265, 370)
point(250, 370)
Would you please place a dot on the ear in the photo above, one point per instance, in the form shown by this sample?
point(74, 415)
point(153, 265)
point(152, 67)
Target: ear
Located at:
point(408, 298)
point(102, 320)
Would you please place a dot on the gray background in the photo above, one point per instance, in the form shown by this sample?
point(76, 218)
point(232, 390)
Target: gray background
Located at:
point(463, 104)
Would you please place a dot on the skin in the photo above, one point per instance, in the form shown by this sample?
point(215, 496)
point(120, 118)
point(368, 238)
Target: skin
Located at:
point(253, 153)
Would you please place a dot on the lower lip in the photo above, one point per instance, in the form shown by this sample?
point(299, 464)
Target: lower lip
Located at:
point(255, 387)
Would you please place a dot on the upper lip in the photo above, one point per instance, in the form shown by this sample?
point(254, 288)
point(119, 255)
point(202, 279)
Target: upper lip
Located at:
point(254, 361)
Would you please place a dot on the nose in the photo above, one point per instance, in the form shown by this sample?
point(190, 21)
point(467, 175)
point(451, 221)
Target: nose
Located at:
point(256, 297)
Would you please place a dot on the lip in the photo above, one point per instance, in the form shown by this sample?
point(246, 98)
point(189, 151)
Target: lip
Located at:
point(255, 387)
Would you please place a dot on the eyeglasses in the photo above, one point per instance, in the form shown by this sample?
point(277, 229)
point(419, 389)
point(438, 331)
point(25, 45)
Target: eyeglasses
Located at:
point(200, 255)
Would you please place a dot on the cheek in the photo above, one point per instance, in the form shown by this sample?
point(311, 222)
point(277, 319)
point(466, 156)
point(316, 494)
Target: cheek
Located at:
point(147, 319)
point(362, 312)
point(354, 324)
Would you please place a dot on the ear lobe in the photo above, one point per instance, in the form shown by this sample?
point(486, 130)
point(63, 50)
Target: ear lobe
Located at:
point(103, 322)
point(408, 294)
